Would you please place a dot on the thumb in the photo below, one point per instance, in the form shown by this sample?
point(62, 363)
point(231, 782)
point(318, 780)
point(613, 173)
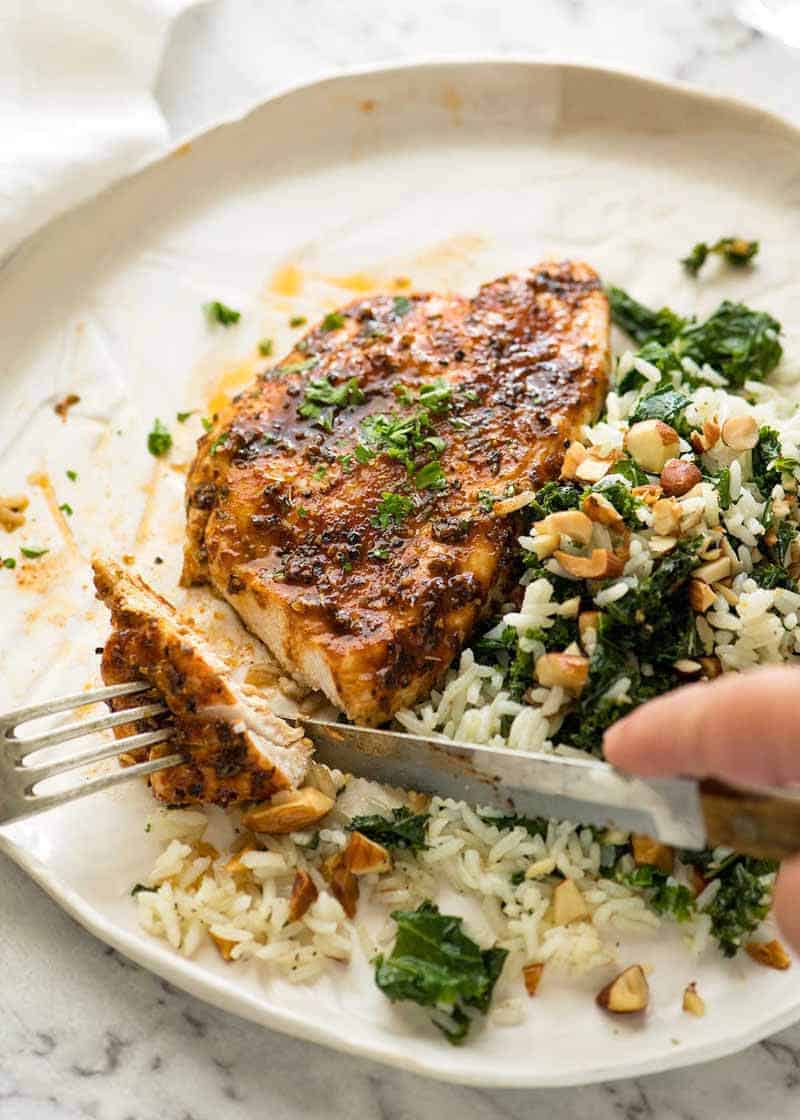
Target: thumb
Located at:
point(742, 727)
point(786, 901)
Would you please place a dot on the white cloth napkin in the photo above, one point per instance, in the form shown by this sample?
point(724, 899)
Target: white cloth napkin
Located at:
point(76, 104)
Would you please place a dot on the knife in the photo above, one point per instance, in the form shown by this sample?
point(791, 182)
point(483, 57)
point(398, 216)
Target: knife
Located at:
point(678, 811)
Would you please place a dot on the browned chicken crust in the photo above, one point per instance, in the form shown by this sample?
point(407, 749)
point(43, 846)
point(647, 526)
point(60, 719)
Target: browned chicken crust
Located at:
point(285, 507)
point(236, 749)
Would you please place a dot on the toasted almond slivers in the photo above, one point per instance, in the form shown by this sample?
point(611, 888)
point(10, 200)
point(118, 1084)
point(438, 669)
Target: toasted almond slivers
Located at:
point(592, 469)
point(569, 523)
point(727, 593)
point(648, 850)
point(659, 546)
point(678, 477)
point(304, 892)
point(769, 953)
point(715, 571)
point(601, 564)
point(692, 1002)
point(565, 670)
point(224, 947)
point(343, 883)
point(701, 597)
point(532, 975)
point(574, 456)
point(666, 517)
point(568, 904)
point(627, 993)
point(289, 811)
point(740, 433)
point(363, 855)
point(510, 505)
point(600, 510)
point(712, 667)
point(544, 545)
point(649, 493)
point(652, 443)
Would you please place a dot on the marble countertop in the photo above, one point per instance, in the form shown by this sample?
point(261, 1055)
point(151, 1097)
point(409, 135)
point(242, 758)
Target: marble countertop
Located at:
point(85, 1033)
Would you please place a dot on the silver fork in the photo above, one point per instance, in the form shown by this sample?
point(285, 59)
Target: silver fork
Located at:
point(20, 773)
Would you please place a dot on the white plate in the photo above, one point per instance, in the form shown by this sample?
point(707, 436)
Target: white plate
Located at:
point(450, 174)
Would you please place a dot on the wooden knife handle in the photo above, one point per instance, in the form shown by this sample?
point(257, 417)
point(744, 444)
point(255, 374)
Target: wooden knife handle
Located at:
point(760, 823)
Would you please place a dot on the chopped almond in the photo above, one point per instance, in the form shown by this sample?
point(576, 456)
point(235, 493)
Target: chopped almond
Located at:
point(568, 904)
point(679, 476)
point(569, 523)
point(418, 802)
point(666, 517)
point(510, 505)
point(659, 546)
point(714, 571)
point(363, 855)
point(769, 953)
point(740, 433)
point(304, 892)
point(545, 544)
point(344, 885)
point(648, 850)
point(532, 974)
point(224, 946)
point(712, 667)
point(291, 811)
point(652, 443)
point(627, 993)
point(708, 438)
point(692, 1002)
point(573, 458)
point(687, 667)
point(588, 622)
point(12, 512)
point(599, 509)
point(592, 469)
point(649, 494)
point(600, 565)
point(566, 670)
point(701, 597)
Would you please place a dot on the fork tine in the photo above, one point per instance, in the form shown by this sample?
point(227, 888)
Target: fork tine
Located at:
point(27, 744)
point(10, 720)
point(37, 774)
point(37, 803)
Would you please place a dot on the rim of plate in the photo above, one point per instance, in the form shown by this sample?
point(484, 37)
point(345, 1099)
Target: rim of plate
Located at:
point(193, 977)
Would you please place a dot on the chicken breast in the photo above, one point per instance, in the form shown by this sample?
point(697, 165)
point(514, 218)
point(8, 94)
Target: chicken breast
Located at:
point(236, 749)
point(345, 503)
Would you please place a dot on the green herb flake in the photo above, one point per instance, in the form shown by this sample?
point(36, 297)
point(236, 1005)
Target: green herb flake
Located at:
point(265, 347)
point(403, 830)
point(72, 476)
point(297, 321)
point(322, 400)
point(207, 424)
point(182, 417)
point(159, 440)
point(66, 508)
point(734, 250)
point(430, 477)
point(295, 367)
point(392, 509)
point(333, 321)
point(401, 306)
point(220, 313)
point(32, 553)
point(434, 963)
point(9, 562)
point(220, 442)
point(319, 473)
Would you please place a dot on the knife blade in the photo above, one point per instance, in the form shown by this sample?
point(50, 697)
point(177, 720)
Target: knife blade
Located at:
point(530, 784)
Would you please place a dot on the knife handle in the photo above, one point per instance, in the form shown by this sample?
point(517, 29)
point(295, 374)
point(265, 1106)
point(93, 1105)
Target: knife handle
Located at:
point(757, 822)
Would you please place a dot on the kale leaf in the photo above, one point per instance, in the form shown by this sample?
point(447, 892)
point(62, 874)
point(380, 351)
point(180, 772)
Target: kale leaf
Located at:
point(665, 404)
point(772, 576)
point(663, 892)
point(735, 250)
point(624, 502)
point(434, 963)
point(534, 826)
point(554, 497)
point(742, 900)
point(403, 830)
point(640, 322)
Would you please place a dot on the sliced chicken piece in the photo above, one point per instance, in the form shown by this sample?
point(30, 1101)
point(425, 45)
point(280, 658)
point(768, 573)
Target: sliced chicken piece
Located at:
point(344, 505)
point(236, 749)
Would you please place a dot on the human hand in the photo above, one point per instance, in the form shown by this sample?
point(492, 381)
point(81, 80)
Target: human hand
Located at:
point(742, 727)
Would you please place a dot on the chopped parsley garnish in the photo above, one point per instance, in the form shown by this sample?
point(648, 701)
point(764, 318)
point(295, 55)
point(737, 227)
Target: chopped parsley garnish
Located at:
point(217, 312)
point(297, 321)
point(220, 442)
point(72, 476)
point(437, 396)
point(734, 250)
point(430, 477)
point(182, 417)
point(31, 553)
point(401, 306)
point(295, 367)
point(159, 440)
point(392, 509)
point(378, 554)
point(265, 347)
point(207, 424)
point(319, 473)
point(402, 830)
point(322, 400)
point(9, 562)
point(736, 341)
point(434, 963)
point(66, 508)
point(333, 321)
